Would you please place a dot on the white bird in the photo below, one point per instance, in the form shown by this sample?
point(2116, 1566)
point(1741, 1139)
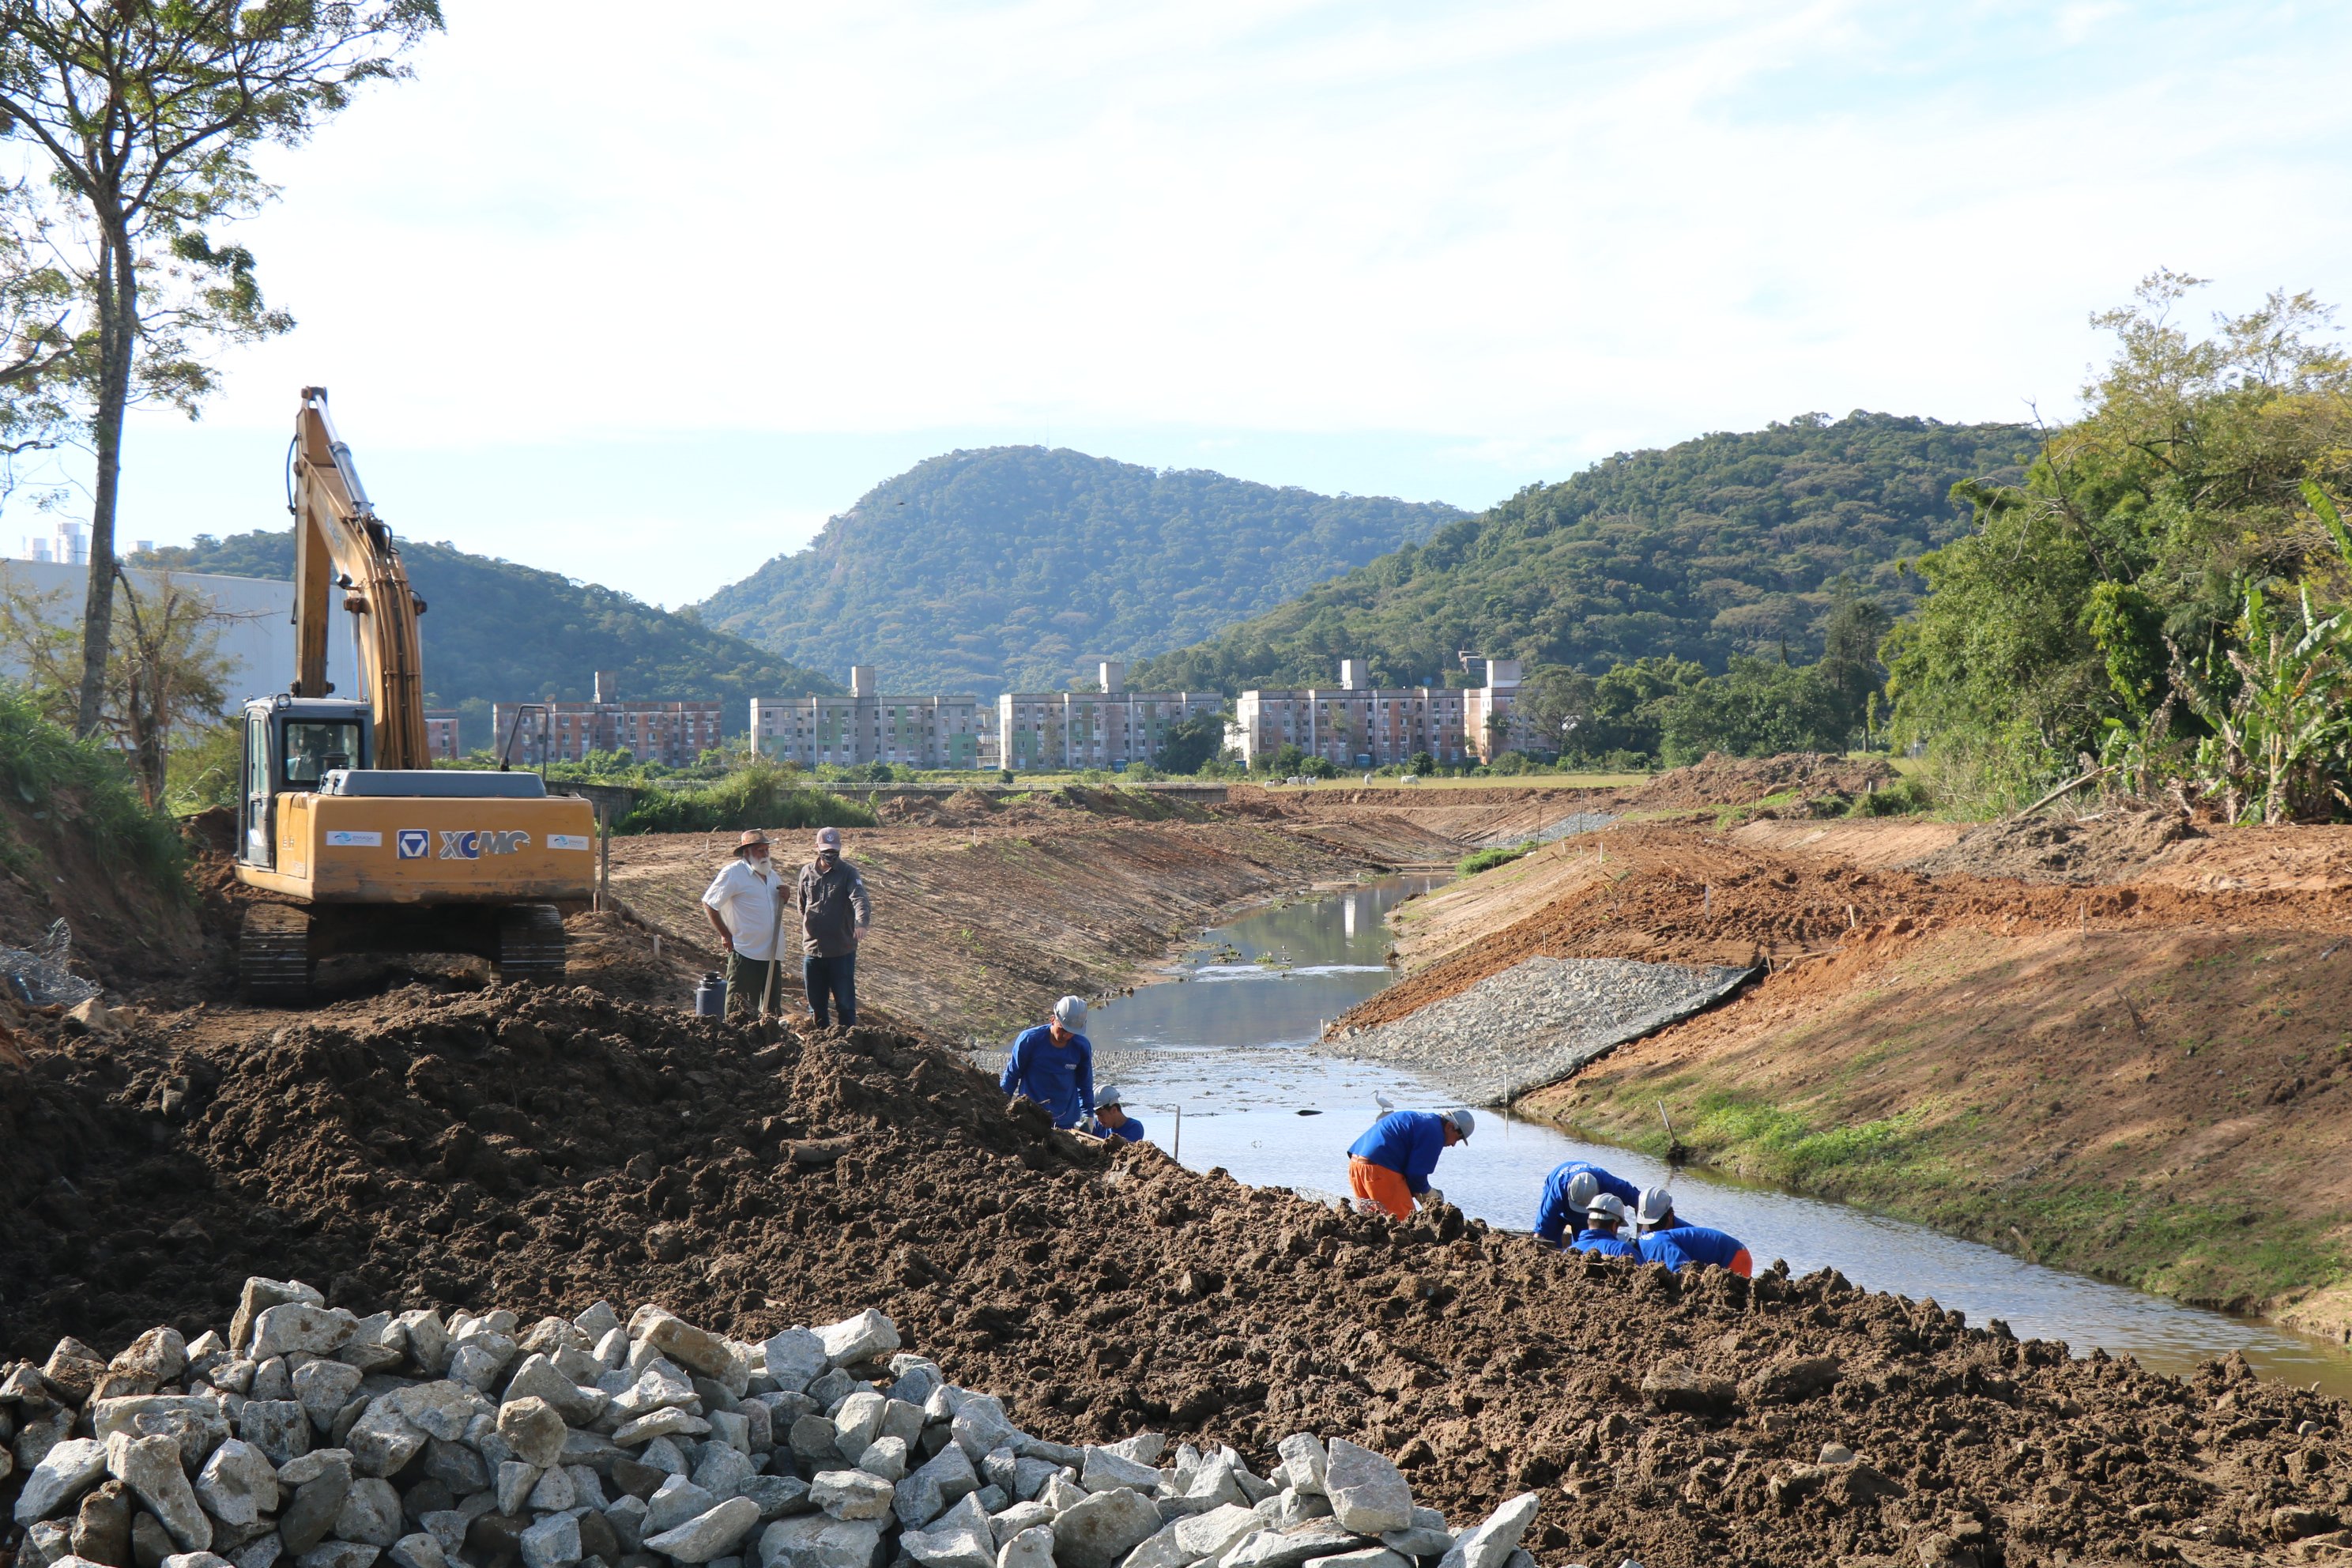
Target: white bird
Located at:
point(1383, 1101)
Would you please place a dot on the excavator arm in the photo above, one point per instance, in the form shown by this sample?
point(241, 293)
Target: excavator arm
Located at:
point(342, 546)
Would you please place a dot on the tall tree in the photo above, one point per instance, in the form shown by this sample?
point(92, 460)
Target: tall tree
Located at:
point(148, 112)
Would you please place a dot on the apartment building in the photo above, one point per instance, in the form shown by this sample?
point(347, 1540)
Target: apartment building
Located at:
point(867, 726)
point(1358, 725)
point(441, 735)
point(674, 734)
point(1110, 727)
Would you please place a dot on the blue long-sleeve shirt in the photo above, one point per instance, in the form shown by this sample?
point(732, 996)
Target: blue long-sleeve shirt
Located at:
point(1694, 1244)
point(1059, 1078)
point(1406, 1142)
point(1607, 1245)
point(1130, 1129)
point(1555, 1219)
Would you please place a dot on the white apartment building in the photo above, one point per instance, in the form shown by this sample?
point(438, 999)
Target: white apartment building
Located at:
point(1110, 727)
point(1357, 725)
point(867, 727)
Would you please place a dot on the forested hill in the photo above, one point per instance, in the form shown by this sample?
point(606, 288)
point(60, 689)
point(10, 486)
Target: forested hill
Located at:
point(496, 632)
point(1726, 545)
point(1000, 569)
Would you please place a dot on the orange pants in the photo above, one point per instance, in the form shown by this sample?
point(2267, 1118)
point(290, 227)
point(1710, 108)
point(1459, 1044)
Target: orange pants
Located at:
point(1380, 1185)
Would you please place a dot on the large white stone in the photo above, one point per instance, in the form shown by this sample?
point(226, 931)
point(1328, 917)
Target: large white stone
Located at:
point(980, 1427)
point(533, 1429)
point(1294, 1547)
point(1103, 1529)
point(238, 1484)
point(64, 1472)
point(819, 1541)
point(709, 1535)
point(299, 1326)
point(959, 1538)
point(1369, 1494)
point(794, 1358)
point(858, 1423)
point(674, 1501)
point(382, 1440)
point(1491, 1544)
point(861, 1338)
point(852, 1494)
point(323, 1387)
point(1303, 1462)
point(370, 1512)
point(1206, 1534)
point(938, 1481)
point(538, 1377)
point(1032, 1548)
point(1426, 1537)
point(552, 1542)
point(150, 1467)
point(1107, 1468)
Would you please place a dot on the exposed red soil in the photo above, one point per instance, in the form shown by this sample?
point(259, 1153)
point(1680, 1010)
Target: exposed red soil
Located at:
point(1718, 781)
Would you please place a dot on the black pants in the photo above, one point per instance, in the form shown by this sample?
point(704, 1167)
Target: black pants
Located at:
point(834, 981)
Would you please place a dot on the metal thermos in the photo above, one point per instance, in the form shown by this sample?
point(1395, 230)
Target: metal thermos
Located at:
point(711, 996)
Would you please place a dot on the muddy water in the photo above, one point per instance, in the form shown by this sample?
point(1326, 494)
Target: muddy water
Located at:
point(1229, 1042)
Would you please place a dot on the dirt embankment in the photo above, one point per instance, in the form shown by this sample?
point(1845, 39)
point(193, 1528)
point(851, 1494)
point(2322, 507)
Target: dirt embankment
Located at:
point(544, 1149)
point(980, 926)
point(2135, 1065)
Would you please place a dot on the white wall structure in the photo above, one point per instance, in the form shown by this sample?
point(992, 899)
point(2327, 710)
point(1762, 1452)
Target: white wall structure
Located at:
point(256, 632)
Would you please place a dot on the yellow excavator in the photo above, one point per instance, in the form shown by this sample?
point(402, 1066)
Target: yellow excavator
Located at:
point(343, 813)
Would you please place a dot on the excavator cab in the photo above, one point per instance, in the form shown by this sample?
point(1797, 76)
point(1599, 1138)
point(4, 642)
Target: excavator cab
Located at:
point(293, 743)
point(363, 843)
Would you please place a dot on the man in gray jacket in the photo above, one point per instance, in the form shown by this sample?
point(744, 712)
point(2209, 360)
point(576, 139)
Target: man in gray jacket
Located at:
point(831, 897)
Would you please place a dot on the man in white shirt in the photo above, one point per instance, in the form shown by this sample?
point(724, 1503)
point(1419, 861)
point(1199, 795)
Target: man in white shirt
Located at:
point(743, 908)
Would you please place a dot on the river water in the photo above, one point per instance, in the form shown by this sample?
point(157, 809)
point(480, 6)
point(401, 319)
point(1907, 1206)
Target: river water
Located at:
point(1229, 1040)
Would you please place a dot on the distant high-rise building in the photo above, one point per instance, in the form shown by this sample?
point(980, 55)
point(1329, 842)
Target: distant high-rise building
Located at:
point(868, 726)
point(674, 734)
point(1359, 725)
point(1110, 727)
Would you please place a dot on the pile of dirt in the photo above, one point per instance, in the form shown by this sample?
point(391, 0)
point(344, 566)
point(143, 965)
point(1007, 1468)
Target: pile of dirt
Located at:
point(539, 1150)
point(2106, 847)
point(1718, 781)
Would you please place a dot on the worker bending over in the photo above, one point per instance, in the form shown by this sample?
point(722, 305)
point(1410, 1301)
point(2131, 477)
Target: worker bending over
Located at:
point(1603, 1221)
point(1054, 1064)
point(1567, 1196)
point(1666, 1239)
point(1110, 1119)
point(1389, 1167)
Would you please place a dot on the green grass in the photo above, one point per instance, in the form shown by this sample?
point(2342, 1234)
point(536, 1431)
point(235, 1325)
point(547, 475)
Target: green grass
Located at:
point(1488, 859)
point(83, 788)
point(760, 795)
point(1926, 1165)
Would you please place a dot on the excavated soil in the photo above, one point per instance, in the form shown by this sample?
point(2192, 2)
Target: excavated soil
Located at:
point(1720, 781)
point(544, 1149)
point(2108, 846)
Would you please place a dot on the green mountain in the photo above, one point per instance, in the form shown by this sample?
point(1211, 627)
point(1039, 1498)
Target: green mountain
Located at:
point(496, 632)
point(1727, 545)
point(1001, 569)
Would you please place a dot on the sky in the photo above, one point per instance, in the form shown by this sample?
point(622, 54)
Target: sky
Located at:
point(644, 296)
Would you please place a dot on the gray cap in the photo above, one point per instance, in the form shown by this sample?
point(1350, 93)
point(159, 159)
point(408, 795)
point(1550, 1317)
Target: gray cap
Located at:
point(1070, 1011)
point(1656, 1204)
point(828, 837)
point(1462, 1119)
point(1108, 1097)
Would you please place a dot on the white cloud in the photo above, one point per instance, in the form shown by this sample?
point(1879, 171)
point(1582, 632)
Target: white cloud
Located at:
point(1532, 230)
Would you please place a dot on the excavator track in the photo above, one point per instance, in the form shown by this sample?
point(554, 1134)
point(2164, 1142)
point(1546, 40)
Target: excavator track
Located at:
point(532, 944)
point(274, 961)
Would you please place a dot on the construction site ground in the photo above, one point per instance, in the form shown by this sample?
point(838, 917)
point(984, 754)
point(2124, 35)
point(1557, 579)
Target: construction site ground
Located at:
point(428, 1138)
point(2117, 1045)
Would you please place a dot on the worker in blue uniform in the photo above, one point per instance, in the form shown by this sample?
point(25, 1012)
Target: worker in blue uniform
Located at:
point(1603, 1221)
point(1110, 1119)
point(1667, 1238)
point(1390, 1165)
point(1568, 1193)
point(1054, 1064)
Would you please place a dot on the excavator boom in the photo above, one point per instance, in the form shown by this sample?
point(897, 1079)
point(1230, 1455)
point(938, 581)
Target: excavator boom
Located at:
point(340, 544)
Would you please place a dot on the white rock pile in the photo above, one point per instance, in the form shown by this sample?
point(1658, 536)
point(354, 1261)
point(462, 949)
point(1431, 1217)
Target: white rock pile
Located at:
point(308, 1437)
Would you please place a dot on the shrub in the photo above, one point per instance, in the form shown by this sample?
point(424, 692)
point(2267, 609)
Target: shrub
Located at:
point(87, 785)
point(1488, 858)
point(760, 795)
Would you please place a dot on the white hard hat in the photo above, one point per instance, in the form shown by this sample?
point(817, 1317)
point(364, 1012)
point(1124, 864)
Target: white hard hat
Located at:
point(1463, 1120)
point(1070, 1011)
point(1581, 1187)
point(1606, 1205)
point(1656, 1204)
point(1107, 1096)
